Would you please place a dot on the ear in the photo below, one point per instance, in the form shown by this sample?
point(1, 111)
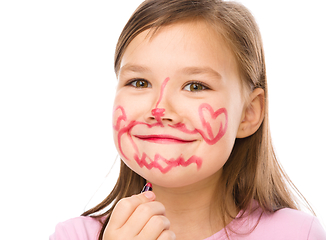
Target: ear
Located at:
point(253, 114)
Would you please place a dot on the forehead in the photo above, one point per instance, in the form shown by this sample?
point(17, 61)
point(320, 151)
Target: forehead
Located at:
point(186, 44)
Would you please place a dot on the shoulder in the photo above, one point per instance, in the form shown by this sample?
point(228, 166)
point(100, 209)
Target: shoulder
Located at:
point(79, 228)
point(291, 224)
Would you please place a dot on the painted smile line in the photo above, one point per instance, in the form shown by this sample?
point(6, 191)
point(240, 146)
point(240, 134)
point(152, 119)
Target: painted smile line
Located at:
point(163, 139)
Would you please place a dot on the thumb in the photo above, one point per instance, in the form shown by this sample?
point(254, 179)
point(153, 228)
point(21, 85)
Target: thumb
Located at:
point(149, 195)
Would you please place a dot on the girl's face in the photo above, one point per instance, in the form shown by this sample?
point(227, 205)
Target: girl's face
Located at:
point(178, 104)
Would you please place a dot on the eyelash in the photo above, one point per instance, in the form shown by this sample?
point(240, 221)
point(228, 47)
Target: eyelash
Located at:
point(133, 83)
point(203, 85)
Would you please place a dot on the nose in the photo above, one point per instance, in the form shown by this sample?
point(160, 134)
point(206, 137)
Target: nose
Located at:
point(163, 110)
point(158, 112)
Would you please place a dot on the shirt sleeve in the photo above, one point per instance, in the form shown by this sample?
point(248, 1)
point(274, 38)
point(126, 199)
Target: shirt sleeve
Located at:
point(80, 228)
point(317, 232)
point(60, 233)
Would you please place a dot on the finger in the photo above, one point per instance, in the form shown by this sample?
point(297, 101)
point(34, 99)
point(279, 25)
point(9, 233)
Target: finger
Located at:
point(167, 235)
point(125, 207)
point(141, 216)
point(154, 227)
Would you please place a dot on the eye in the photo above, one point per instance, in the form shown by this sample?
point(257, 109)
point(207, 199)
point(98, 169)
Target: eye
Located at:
point(139, 83)
point(195, 87)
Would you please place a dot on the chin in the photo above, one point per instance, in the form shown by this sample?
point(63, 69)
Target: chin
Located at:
point(176, 177)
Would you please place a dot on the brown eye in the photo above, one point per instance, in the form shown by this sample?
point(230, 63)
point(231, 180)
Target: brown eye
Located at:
point(195, 87)
point(140, 83)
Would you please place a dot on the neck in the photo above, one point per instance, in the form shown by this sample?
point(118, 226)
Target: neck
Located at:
point(190, 208)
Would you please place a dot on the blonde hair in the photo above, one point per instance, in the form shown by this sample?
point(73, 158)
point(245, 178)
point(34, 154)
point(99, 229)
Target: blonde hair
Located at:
point(252, 171)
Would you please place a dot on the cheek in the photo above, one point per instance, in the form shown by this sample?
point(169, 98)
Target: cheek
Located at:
point(121, 123)
point(210, 122)
point(214, 123)
point(124, 110)
point(118, 117)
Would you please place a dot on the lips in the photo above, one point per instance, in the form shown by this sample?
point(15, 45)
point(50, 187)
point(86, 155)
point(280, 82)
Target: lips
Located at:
point(164, 139)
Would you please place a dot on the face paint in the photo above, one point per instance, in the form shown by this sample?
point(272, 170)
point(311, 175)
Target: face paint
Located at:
point(159, 162)
point(162, 90)
point(211, 139)
point(170, 163)
point(120, 118)
point(207, 133)
point(159, 112)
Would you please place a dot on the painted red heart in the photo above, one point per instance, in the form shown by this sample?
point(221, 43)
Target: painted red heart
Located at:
point(208, 134)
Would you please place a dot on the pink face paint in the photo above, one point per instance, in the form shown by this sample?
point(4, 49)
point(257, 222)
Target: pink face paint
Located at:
point(158, 113)
point(162, 90)
point(211, 138)
point(182, 127)
point(127, 129)
point(120, 118)
point(145, 161)
point(207, 134)
point(155, 163)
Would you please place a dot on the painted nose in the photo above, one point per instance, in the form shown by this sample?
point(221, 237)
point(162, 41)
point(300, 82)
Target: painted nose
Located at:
point(158, 112)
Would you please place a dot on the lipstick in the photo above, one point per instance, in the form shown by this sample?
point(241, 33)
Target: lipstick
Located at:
point(147, 187)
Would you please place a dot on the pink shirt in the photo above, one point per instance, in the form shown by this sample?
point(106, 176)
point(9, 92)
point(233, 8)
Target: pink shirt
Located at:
point(285, 224)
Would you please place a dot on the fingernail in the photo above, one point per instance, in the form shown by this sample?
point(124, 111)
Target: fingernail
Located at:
point(149, 194)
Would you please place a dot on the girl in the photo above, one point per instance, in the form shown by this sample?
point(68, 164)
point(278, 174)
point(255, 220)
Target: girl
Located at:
point(190, 116)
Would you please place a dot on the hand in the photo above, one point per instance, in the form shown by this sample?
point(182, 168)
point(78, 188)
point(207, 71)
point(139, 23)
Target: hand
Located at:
point(139, 218)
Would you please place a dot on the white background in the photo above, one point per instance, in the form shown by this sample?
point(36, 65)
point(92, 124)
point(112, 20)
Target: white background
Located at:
point(57, 87)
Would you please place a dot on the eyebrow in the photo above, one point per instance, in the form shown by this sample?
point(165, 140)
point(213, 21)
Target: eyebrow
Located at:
point(186, 71)
point(200, 70)
point(133, 68)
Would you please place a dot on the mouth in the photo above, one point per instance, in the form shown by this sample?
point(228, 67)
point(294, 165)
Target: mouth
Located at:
point(163, 139)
